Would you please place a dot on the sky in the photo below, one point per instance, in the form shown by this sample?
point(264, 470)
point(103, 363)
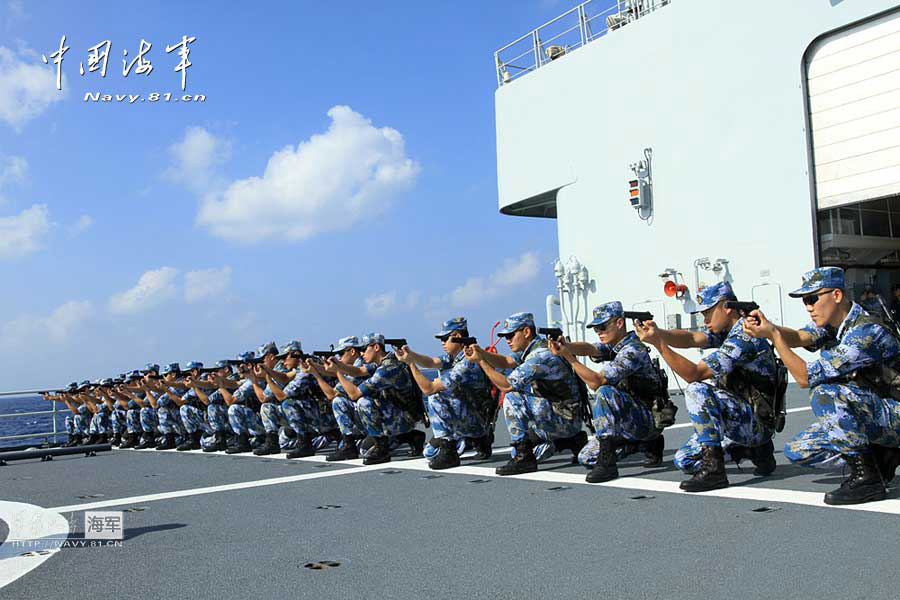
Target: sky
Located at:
point(339, 178)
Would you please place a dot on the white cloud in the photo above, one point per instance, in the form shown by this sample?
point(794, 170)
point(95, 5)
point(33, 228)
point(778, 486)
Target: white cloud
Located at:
point(55, 327)
point(27, 87)
point(196, 158)
point(512, 273)
point(206, 283)
point(83, 223)
point(13, 169)
point(24, 233)
point(378, 305)
point(326, 183)
point(152, 289)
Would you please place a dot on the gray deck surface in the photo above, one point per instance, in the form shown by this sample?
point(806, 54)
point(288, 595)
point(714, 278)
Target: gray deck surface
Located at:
point(405, 535)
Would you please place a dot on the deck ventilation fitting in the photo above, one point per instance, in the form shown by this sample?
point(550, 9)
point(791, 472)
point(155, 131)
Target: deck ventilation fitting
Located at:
point(391, 472)
point(642, 497)
point(328, 506)
point(430, 476)
point(479, 481)
point(765, 509)
point(558, 488)
point(321, 565)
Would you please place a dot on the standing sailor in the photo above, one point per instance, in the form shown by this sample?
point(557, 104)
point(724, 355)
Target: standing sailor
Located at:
point(857, 408)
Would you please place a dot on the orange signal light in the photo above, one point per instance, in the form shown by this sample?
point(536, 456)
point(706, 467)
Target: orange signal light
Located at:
point(670, 288)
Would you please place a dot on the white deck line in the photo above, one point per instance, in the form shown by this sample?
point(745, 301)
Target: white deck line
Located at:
point(39, 533)
point(644, 484)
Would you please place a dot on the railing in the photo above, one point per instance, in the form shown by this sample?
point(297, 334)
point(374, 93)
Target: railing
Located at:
point(40, 434)
point(567, 32)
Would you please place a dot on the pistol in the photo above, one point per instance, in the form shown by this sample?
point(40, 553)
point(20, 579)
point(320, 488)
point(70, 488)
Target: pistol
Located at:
point(640, 317)
point(395, 342)
point(554, 333)
point(465, 341)
point(324, 353)
point(744, 308)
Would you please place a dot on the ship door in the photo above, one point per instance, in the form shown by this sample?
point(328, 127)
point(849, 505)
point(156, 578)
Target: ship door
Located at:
point(853, 99)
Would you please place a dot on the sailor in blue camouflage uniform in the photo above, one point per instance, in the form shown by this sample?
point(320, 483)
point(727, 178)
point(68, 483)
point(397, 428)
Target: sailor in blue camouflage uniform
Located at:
point(857, 409)
point(386, 402)
point(626, 386)
point(348, 360)
point(242, 417)
point(727, 414)
point(542, 393)
point(76, 424)
point(460, 404)
point(99, 426)
point(103, 392)
point(192, 410)
point(168, 408)
point(270, 411)
point(149, 416)
point(128, 392)
point(216, 430)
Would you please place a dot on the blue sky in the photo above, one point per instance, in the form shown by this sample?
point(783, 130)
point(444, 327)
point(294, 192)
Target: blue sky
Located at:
point(339, 178)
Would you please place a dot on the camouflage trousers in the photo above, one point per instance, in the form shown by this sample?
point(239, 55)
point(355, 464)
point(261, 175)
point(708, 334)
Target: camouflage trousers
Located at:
point(170, 419)
point(133, 420)
point(849, 419)
point(525, 412)
point(77, 424)
point(347, 417)
point(616, 414)
point(380, 418)
point(719, 419)
point(117, 420)
point(217, 417)
point(149, 419)
point(453, 419)
point(244, 420)
point(99, 423)
point(193, 419)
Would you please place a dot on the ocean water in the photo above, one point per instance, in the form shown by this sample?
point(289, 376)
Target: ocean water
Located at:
point(30, 423)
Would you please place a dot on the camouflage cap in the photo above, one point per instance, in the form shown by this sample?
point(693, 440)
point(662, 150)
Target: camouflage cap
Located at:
point(245, 356)
point(84, 384)
point(267, 348)
point(151, 367)
point(72, 387)
point(820, 279)
point(372, 338)
point(605, 312)
point(171, 368)
point(133, 375)
point(515, 322)
point(194, 364)
point(291, 346)
point(106, 381)
point(223, 364)
point(351, 341)
point(712, 294)
point(454, 324)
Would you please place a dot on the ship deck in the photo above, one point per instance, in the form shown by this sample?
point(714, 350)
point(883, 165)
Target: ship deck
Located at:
point(217, 526)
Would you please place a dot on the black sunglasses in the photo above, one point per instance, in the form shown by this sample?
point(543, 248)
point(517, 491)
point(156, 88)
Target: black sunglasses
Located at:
point(602, 327)
point(811, 299)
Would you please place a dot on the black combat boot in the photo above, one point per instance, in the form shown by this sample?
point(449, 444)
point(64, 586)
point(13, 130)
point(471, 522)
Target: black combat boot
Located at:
point(573, 444)
point(415, 439)
point(128, 440)
point(483, 446)
point(523, 462)
point(380, 451)
point(711, 475)
point(332, 435)
point(74, 440)
point(168, 442)
point(347, 450)
point(606, 468)
point(148, 440)
point(191, 442)
point(116, 439)
point(304, 447)
point(653, 452)
point(763, 458)
point(447, 457)
point(90, 440)
point(863, 485)
point(241, 444)
point(270, 446)
point(626, 448)
point(887, 459)
point(219, 443)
